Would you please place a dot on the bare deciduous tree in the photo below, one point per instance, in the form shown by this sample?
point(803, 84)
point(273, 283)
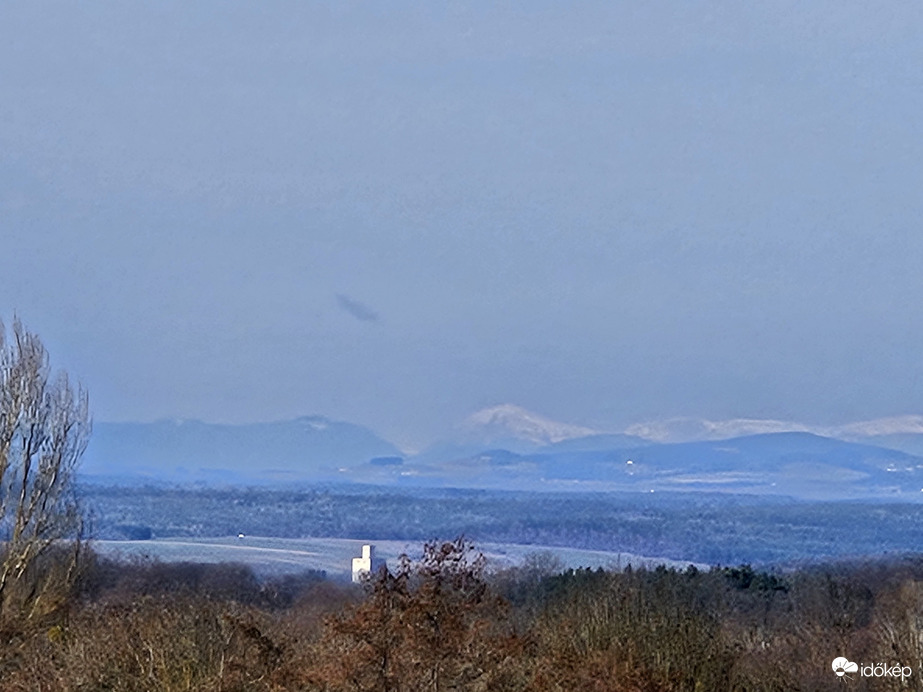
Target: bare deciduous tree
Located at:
point(44, 429)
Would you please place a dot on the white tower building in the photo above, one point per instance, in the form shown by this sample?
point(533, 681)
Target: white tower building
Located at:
point(366, 564)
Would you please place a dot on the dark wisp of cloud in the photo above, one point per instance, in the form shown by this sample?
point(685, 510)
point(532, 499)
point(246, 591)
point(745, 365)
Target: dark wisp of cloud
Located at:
point(360, 311)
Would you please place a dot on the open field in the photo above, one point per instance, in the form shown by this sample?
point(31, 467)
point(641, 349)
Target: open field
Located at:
point(276, 556)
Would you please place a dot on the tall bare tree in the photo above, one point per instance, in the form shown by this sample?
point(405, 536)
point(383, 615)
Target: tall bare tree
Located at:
point(44, 429)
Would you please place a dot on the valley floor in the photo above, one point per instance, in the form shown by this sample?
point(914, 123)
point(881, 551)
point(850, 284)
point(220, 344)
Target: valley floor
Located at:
point(269, 556)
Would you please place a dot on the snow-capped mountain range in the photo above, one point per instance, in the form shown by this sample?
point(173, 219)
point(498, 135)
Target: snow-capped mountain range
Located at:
point(511, 421)
point(698, 429)
point(508, 421)
point(508, 446)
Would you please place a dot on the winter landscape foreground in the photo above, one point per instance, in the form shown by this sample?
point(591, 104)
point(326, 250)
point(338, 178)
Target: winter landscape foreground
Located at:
point(461, 347)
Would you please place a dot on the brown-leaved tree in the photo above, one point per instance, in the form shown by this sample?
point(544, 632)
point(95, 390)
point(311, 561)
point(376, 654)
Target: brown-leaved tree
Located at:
point(431, 625)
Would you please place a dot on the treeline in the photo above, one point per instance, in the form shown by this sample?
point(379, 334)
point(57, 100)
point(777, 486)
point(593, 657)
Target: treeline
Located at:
point(444, 623)
point(698, 527)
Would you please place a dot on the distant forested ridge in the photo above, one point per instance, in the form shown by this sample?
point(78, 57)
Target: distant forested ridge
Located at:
point(698, 527)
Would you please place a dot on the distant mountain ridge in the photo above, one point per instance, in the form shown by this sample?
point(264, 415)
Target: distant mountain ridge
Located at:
point(506, 426)
point(190, 450)
point(894, 425)
point(903, 433)
point(510, 421)
point(796, 464)
point(509, 447)
point(686, 429)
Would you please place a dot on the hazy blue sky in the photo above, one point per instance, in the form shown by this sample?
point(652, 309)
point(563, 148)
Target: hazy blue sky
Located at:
point(396, 213)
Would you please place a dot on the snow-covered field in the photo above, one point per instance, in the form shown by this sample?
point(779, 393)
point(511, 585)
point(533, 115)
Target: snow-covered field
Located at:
point(275, 556)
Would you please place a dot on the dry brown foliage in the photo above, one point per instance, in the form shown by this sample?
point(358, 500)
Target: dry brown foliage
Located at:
point(440, 624)
point(432, 625)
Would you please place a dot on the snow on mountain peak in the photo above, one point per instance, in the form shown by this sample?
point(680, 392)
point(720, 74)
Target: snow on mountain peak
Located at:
point(895, 425)
point(509, 420)
point(695, 429)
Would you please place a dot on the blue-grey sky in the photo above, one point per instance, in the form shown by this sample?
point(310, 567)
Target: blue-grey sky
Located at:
point(396, 213)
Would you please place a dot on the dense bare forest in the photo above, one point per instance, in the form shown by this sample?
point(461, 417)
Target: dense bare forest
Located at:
point(710, 528)
point(446, 623)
